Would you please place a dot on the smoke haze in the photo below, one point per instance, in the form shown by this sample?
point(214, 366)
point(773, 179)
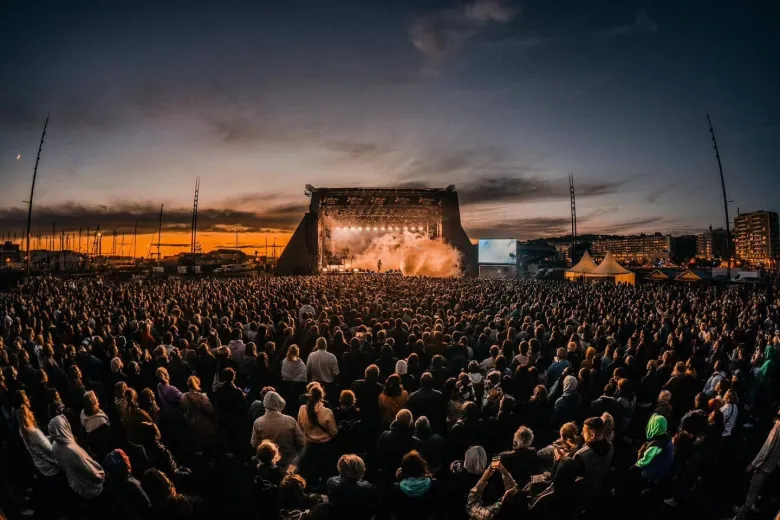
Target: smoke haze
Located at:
point(411, 253)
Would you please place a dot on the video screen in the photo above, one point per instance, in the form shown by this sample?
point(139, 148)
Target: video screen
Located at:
point(498, 251)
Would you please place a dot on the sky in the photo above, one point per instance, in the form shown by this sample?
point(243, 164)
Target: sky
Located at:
point(501, 98)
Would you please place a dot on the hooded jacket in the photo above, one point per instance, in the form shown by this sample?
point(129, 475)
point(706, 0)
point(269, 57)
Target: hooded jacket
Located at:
point(39, 447)
point(595, 460)
point(85, 476)
point(279, 428)
point(657, 454)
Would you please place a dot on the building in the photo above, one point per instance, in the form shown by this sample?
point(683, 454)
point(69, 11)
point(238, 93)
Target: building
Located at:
point(641, 249)
point(712, 244)
point(10, 253)
point(683, 248)
point(757, 237)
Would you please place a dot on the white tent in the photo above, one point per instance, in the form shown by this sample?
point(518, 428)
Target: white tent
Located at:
point(610, 268)
point(583, 267)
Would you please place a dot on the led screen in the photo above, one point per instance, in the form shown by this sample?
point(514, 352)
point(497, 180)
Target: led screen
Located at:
point(498, 251)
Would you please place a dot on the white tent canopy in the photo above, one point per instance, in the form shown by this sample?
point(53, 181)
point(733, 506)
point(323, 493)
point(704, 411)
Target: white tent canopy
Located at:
point(610, 267)
point(585, 265)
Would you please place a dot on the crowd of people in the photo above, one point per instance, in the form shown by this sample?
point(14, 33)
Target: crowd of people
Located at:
point(372, 396)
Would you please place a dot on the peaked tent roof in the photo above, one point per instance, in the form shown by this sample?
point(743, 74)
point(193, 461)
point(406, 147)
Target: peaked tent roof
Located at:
point(610, 267)
point(585, 265)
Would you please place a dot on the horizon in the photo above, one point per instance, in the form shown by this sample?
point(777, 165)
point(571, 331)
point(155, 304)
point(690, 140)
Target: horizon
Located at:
point(501, 98)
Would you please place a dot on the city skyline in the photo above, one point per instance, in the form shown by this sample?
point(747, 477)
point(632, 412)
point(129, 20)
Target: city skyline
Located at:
point(501, 98)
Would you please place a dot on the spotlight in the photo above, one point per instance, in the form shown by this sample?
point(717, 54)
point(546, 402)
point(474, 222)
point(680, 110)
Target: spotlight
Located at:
point(382, 228)
point(406, 228)
point(414, 228)
point(376, 228)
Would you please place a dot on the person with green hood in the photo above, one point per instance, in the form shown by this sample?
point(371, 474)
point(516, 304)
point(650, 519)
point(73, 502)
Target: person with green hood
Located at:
point(657, 454)
point(417, 495)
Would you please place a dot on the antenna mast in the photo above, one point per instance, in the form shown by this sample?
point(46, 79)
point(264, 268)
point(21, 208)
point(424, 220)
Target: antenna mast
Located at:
point(573, 216)
point(32, 190)
point(725, 199)
point(195, 224)
point(159, 235)
point(135, 233)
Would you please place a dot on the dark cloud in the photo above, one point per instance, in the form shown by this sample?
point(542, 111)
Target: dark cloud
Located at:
point(642, 24)
point(632, 226)
point(529, 189)
point(460, 162)
point(124, 216)
point(357, 150)
point(439, 33)
point(523, 229)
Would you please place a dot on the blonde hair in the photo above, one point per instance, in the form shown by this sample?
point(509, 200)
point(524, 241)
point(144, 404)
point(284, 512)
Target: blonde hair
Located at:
point(292, 353)
point(609, 426)
point(351, 466)
point(26, 418)
point(193, 383)
point(162, 375)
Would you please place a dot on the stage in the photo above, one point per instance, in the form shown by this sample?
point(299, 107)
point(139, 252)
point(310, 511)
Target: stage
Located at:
point(413, 231)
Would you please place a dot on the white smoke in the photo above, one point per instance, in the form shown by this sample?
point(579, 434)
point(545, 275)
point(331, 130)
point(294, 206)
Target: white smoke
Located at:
point(411, 253)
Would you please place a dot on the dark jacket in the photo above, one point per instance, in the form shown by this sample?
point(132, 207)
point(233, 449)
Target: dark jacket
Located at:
point(430, 403)
point(595, 460)
point(392, 445)
point(567, 408)
point(126, 498)
point(353, 499)
point(433, 449)
point(500, 430)
point(607, 404)
point(521, 463)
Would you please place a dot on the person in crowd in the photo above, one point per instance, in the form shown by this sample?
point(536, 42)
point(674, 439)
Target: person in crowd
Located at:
point(730, 412)
point(200, 414)
point(122, 492)
point(230, 404)
point(503, 426)
point(467, 472)
point(167, 503)
point(293, 368)
point(559, 500)
point(168, 395)
point(594, 460)
point(47, 485)
point(467, 431)
point(322, 366)
point(427, 402)
point(432, 445)
point(567, 407)
point(85, 476)
point(761, 469)
point(656, 455)
point(394, 443)
point(392, 399)
point(97, 427)
point(664, 408)
point(522, 461)
point(417, 495)
point(353, 497)
point(512, 503)
point(158, 455)
point(563, 448)
point(283, 430)
point(268, 469)
point(319, 428)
